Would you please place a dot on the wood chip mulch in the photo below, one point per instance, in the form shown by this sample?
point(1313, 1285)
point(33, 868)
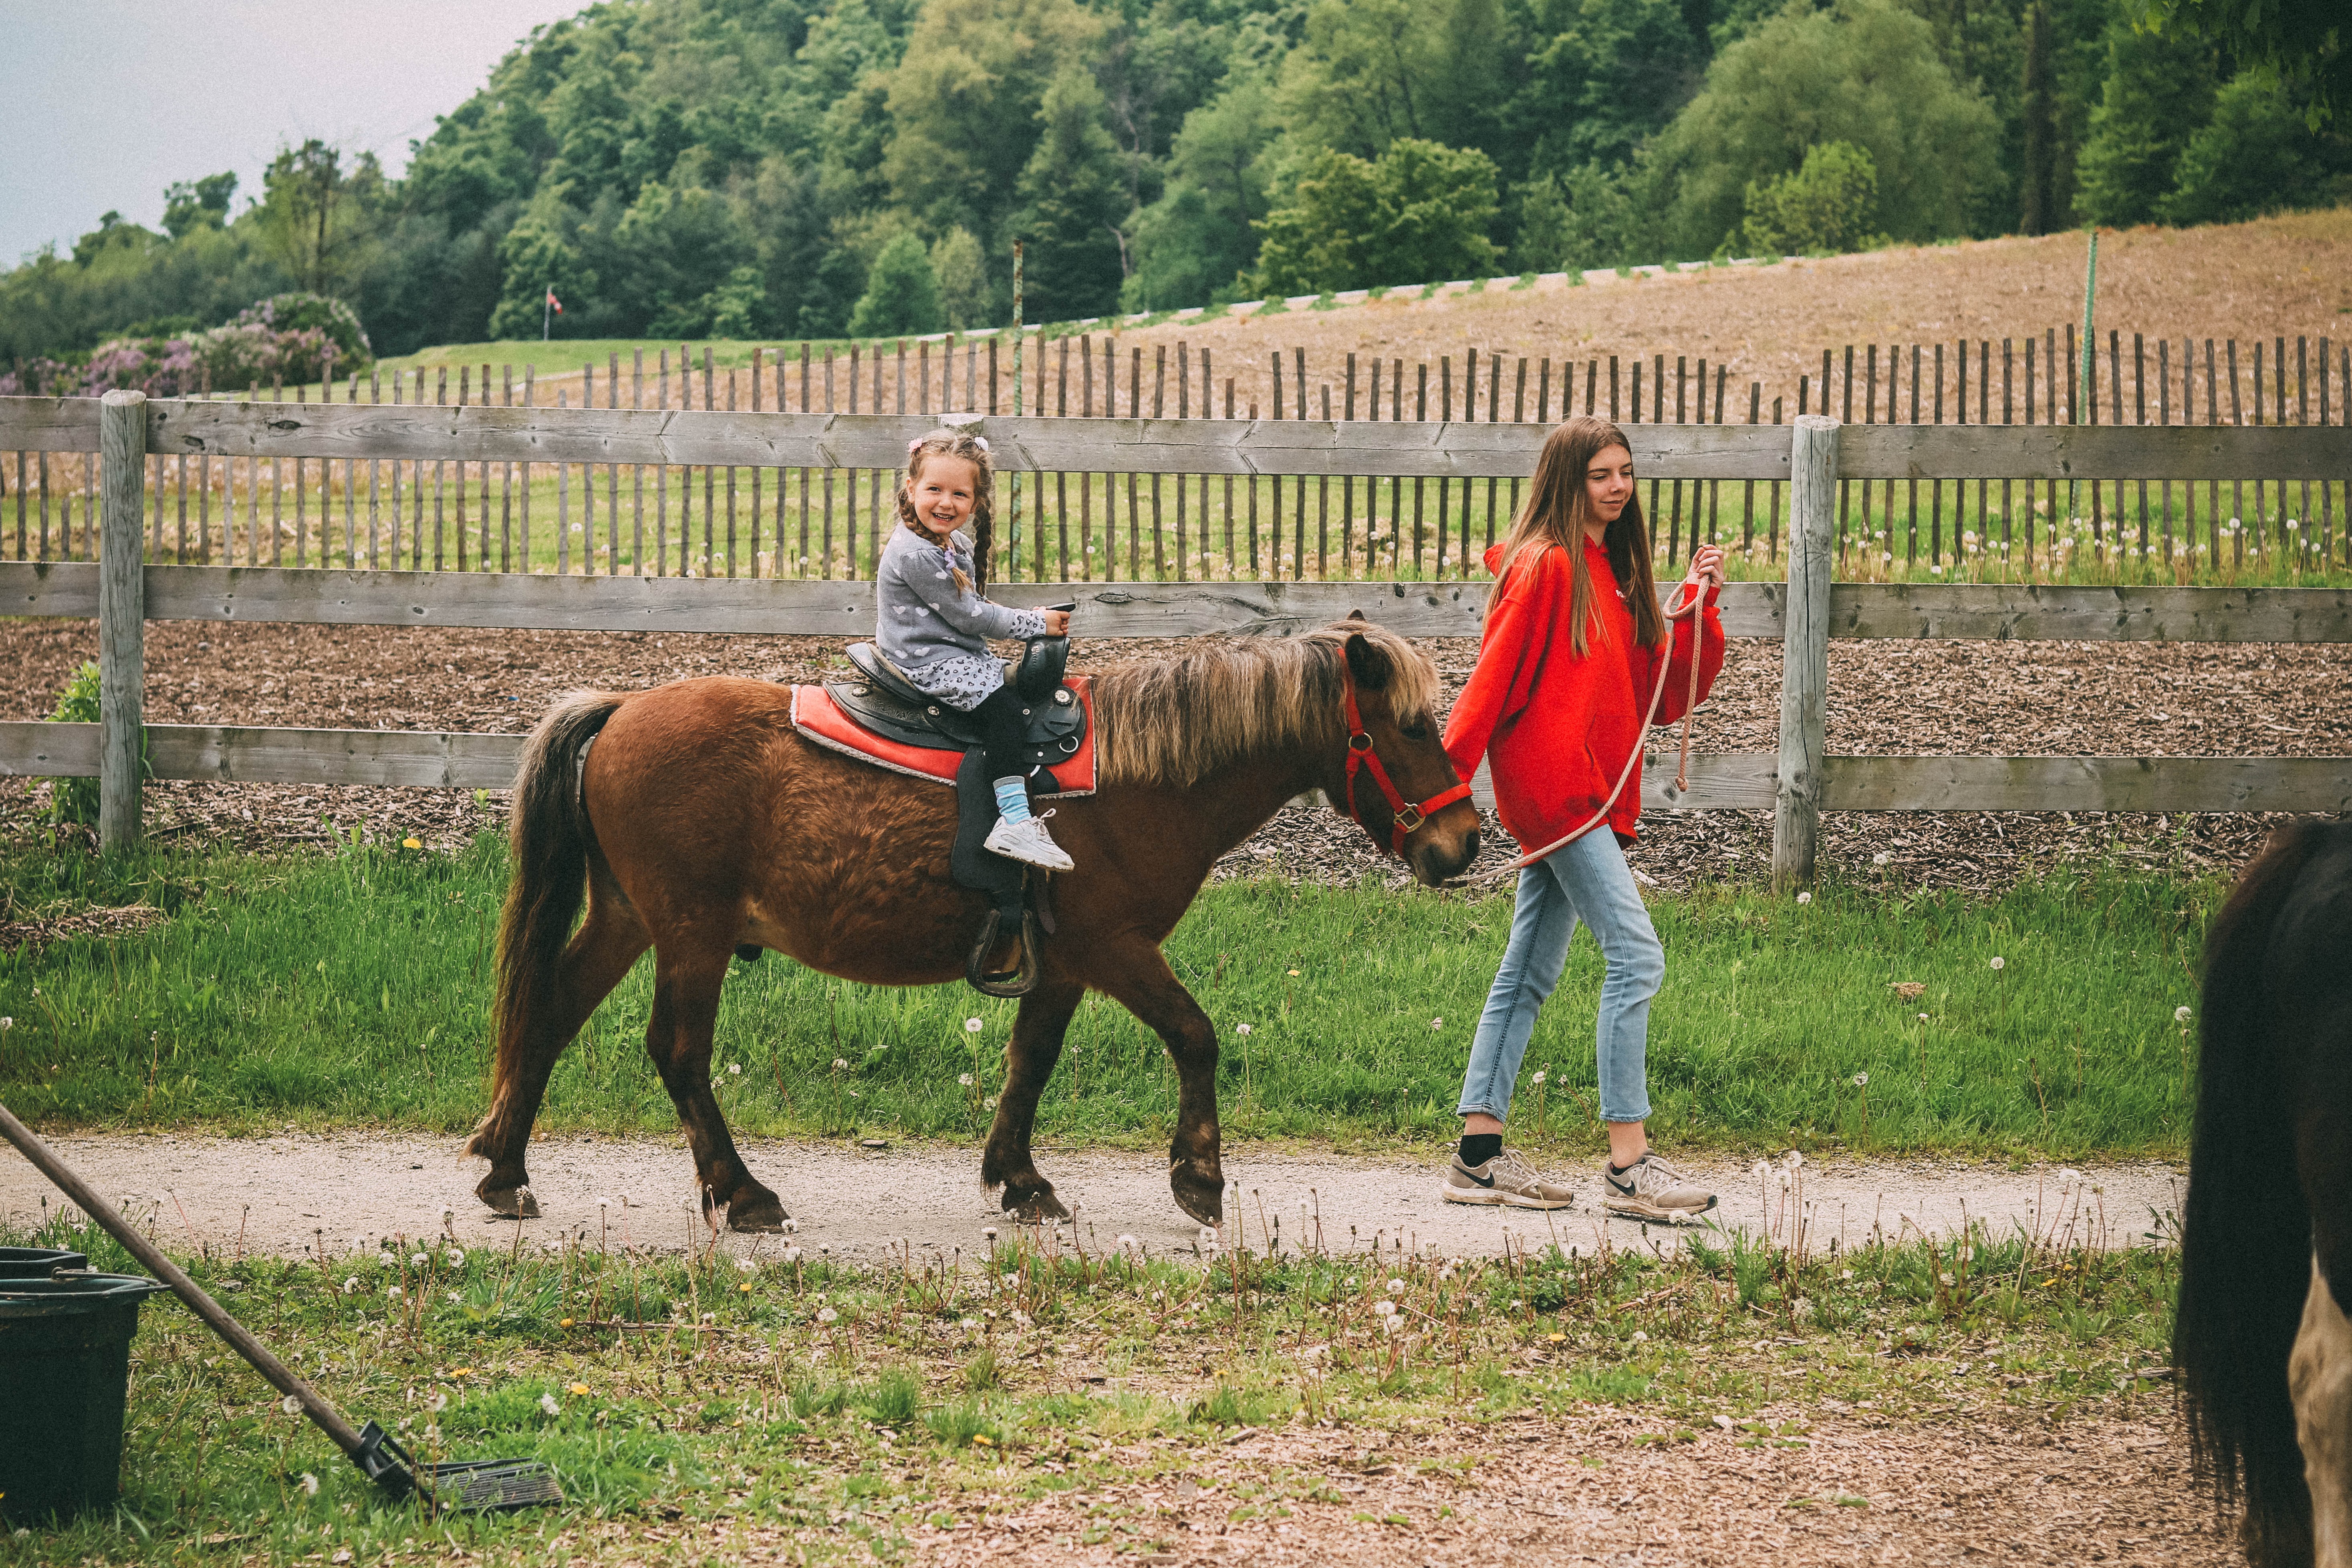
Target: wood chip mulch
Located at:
point(1887, 697)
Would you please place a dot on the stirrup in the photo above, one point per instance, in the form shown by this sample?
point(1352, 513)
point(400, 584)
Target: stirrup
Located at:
point(1017, 982)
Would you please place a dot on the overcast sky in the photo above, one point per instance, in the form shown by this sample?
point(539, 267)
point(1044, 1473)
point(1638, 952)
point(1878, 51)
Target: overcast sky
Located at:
point(109, 101)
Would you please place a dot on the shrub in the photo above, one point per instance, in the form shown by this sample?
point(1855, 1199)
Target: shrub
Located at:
point(1825, 208)
point(76, 800)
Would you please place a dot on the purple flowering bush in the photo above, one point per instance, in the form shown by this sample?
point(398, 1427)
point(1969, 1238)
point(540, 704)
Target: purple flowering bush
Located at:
point(287, 337)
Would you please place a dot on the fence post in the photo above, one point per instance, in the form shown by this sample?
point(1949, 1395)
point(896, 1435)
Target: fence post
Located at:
point(122, 616)
point(1805, 648)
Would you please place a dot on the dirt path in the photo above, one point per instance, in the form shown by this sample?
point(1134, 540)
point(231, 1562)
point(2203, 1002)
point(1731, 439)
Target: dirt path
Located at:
point(281, 1193)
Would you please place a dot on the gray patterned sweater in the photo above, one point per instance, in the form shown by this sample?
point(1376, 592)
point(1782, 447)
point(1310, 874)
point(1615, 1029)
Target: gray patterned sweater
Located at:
point(935, 633)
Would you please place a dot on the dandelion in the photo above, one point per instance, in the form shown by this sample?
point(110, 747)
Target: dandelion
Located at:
point(1396, 1286)
point(1639, 1337)
point(1923, 1017)
point(547, 1403)
point(1880, 858)
point(456, 1256)
point(417, 1261)
point(352, 1286)
point(411, 842)
point(1996, 962)
point(839, 1065)
point(2180, 1014)
point(747, 1266)
point(1792, 1159)
point(291, 1406)
point(792, 1254)
point(1384, 1308)
point(1391, 1325)
point(310, 1484)
point(394, 1292)
point(6, 1025)
point(828, 1315)
point(989, 1104)
point(1241, 1028)
point(972, 1025)
point(1804, 897)
point(1294, 974)
point(440, 1402)
point(964, 1078)
point(1540, 1075)
point(1862, 1080)
point(577, 1389)
point(1437, 1022)
point(1011, 1280)
point(455, 1297)
point(735, 1069)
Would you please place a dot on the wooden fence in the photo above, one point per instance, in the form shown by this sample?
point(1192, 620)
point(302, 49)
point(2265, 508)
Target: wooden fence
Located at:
point(678, 514)
point(1816, 457)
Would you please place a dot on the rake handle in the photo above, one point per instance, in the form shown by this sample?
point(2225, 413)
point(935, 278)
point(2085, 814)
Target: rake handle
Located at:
point(277, 1372)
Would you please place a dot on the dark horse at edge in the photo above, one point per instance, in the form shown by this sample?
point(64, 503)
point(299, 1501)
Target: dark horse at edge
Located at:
point(701, 821)
point(2262, 1337)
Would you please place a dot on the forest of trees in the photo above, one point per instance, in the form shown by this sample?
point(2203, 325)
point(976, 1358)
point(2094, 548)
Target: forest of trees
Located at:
point(812, 168)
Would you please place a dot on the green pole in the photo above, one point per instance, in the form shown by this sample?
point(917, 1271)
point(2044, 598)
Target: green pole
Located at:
point(1012, 520)
point(2082, 410)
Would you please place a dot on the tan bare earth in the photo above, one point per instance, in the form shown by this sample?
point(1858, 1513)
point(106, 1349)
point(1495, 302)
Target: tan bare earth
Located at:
point(295, 1192)
point(2289, 276)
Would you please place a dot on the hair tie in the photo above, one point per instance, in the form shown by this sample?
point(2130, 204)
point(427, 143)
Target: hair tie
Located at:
point(914, 446)
point(981, 442)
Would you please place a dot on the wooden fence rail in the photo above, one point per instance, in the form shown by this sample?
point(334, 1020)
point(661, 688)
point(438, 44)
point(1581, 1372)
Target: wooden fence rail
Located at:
point(1797, 782)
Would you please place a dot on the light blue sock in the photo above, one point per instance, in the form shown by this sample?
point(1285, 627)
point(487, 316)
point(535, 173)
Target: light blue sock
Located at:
point(1012, 799)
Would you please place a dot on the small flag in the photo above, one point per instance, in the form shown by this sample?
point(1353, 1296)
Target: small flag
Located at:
point(554, 303)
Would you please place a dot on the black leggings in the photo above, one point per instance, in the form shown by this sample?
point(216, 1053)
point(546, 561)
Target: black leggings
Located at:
point(1001, 727)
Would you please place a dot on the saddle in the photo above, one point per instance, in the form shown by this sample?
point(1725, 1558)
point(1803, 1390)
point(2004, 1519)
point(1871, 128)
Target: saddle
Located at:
point(882, 702)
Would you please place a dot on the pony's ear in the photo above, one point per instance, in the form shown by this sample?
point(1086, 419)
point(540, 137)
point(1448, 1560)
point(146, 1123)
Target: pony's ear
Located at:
point(1367, 663)
point(1355, 615)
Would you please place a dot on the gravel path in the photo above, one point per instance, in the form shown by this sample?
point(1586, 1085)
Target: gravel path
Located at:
point(1885, 697)
point(280, 1193)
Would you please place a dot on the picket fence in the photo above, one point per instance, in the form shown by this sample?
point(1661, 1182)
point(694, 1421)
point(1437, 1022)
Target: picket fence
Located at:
point(1816, 457)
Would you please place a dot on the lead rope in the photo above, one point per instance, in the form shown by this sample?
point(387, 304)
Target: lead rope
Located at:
point(1682, 770)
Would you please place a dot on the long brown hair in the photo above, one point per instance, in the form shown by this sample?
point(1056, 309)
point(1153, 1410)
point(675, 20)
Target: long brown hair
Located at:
point(1556, 507)
point(971, 449)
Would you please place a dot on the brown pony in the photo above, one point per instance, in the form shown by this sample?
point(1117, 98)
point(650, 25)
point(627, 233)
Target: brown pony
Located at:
point(700, 821)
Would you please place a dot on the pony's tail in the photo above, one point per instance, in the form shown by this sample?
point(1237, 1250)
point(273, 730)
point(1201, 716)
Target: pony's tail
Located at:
point(549, 838)
point(2245, 1234)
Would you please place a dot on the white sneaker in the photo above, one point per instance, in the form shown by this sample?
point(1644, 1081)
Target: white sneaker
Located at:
point(1027, 842)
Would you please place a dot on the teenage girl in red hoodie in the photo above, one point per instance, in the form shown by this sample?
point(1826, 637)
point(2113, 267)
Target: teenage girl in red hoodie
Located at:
point(1570, 655)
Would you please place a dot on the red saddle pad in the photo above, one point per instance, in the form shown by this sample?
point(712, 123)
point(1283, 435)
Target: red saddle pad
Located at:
point(817, 716)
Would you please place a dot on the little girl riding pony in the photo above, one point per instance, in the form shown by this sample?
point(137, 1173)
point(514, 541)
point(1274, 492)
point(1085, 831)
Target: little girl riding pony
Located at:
point(933, 623)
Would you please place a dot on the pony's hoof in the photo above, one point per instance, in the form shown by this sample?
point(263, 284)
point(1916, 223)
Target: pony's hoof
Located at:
point(1199, 1194)
point(510, 1202)
point(758, 1212)
point(1033, 1208)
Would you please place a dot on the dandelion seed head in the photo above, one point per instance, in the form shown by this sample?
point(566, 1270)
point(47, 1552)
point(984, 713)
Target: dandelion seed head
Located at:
point(1804, 897)
point(1997, 962)
point(840, 1064)
point(964, 1078)
point(310, 1484)
point(828, 1315)
point(972, 1025)
point(1862, 1080)
point(1241, 1028)
point(547, 1403)
point(2180, 1014)
point(291, 1406)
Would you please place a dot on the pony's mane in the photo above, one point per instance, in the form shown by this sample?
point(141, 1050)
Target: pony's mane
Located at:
point(1175, 721)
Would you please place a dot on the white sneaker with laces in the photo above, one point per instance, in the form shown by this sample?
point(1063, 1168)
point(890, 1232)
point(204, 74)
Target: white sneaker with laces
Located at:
point(1029, 843)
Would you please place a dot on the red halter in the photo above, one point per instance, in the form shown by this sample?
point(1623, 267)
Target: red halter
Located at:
point(1404, 817)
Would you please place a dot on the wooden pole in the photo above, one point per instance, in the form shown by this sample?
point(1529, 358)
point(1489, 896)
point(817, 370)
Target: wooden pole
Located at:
point(121, 616)
point(1805, 650)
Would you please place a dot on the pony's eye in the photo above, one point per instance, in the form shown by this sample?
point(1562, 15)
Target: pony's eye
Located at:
point(1414, 732)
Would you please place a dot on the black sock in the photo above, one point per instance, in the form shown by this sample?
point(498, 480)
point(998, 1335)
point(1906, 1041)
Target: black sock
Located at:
point(1477, 1148)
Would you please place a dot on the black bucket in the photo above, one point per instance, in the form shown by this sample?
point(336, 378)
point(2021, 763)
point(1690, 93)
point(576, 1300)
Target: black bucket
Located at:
point(37, 1262)
point(65, 1354)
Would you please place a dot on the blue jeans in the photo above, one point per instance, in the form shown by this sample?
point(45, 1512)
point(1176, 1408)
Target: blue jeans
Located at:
point(1589, 880)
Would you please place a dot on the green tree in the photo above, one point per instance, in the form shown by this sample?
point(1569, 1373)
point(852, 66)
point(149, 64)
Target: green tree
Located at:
point(963, 104)
point(2158, 92)
point(314, 214)
point(1864, 72)
point(902, 294)
point(1606, 76)
point(2257, 154)
point(1422, 214)
point(1826, 208)
point(1071, 199)
point(1370, 72)
point(2298, 46)
point(962, 271)
point(1201, 235)
point(192, 205)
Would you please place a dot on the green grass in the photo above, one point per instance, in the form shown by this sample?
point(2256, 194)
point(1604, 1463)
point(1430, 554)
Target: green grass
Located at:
point(354, 988)
point(693, 1405)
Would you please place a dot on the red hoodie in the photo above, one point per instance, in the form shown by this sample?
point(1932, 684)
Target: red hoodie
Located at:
point(1562, 727)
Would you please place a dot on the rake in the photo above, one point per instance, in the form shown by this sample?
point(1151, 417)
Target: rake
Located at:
point(477, 1486)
